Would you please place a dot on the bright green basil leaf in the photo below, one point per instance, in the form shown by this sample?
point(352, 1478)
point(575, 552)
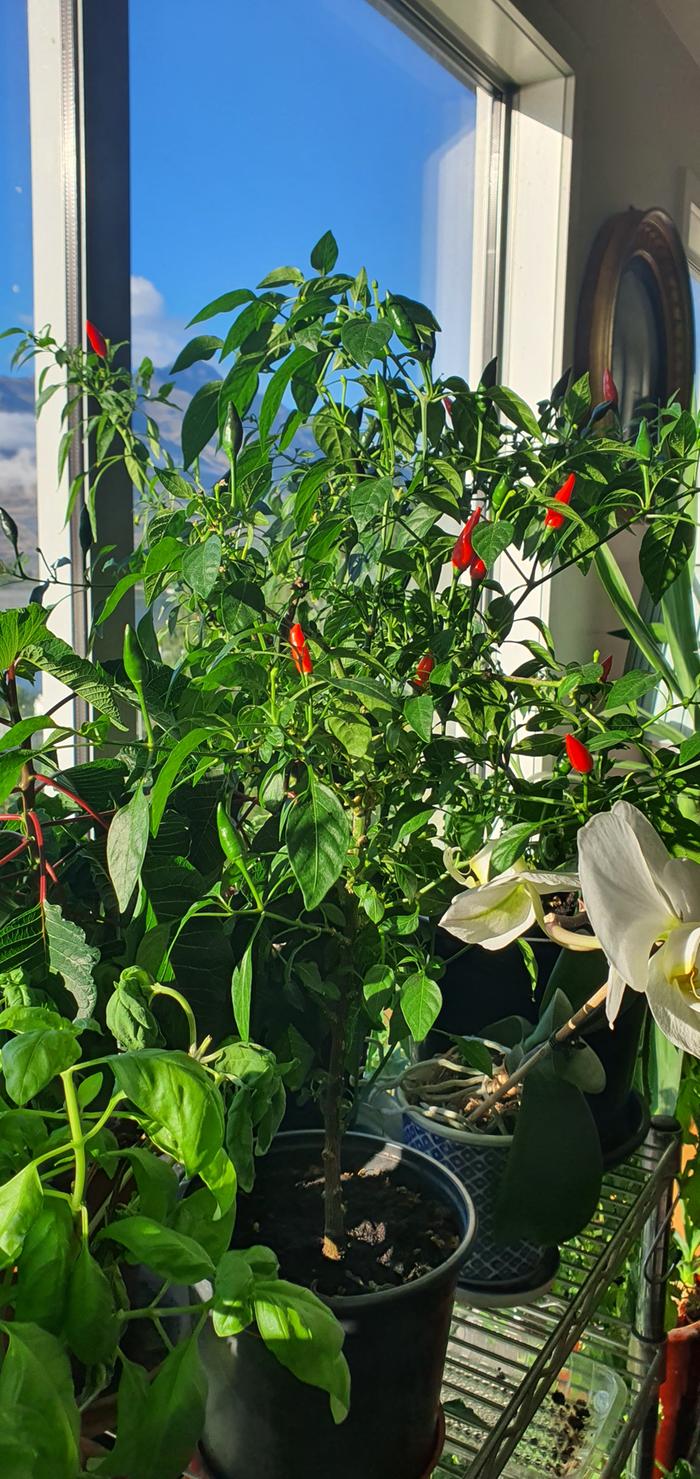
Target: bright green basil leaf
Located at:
point(29, 1062)
point(21, 1201)
point(91, 1328)
point(178, 1097)
point(173, 1255)
point(39, 1418)
point(305, 1337)
point(197, 1216)
point(41, 1284)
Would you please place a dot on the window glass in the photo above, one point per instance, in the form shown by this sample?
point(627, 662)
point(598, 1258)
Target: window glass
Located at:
point(17, 441)
point(256, 128)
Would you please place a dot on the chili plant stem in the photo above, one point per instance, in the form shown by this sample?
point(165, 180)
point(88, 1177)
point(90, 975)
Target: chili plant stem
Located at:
point(78, 1144)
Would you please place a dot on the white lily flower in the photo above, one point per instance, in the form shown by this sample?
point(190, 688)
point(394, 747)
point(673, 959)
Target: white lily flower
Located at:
point(637, 898)
point(494, 914)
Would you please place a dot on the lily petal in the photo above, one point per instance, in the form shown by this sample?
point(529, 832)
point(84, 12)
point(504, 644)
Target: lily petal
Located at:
point(621, 861)
point(674, 1005)
point(616, 991)
point(493, 915)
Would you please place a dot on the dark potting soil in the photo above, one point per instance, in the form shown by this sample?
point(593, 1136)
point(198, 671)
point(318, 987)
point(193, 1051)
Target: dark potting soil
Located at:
point(393, 1233)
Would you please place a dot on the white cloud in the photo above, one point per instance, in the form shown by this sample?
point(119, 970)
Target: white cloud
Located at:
point(17, 429)
point(154, 332)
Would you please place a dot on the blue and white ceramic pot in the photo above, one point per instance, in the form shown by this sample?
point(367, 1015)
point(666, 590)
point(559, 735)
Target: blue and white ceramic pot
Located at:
point(494, 1272)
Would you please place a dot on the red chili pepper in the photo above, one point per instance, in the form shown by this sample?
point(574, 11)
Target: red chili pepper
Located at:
point(477, 569)
point(424, 669)
point(553, 519)
point(609, 388)
point(299, 648)
point(448, 403)
point(580, 758)
point(463, 552)
point(607, 664)
point(96, 340)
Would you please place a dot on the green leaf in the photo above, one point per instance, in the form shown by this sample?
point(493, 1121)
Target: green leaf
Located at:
point(365, 340)
point(88, 679)
point(197, 1216)
point(353, 734)
point(305, 500)
point(510, 846)
point(276, 387)
point(71, 957)
point(121, 589)
point(21, 1201)
point(666, 548)
point(421, 1000)
point(200, 565)
point(159, 1425)
point(689, 750)
point(280, 276)
point(616, 587)
point(225, 304)
point(127, 840)
point(420, 713)
point(9, 638)
point(29, 1062)
point(22, 940)
point(552, 1180)
point(474, 1054)
point(129, 1016)
point(369, 499)
point(490, 540)
point(317, 837)
point(239, 389)
point(91, 1328)
point(304, 1337)
point(516, 410)
point(202, 347)
point(173, 1255)
point(170, 771)
point(378, 989)
point(200, 421)
point(241, 986)
point(629, 688)
point(325, 253)
point(178, 1097)
point(155, 1178)
point(41, 1284)
point(39, 1418)
point(11, 762)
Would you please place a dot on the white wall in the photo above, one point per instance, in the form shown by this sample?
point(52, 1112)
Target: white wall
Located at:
point(636, 124)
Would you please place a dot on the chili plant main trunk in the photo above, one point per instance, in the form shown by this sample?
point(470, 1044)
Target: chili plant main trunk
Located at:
point(334, 1218)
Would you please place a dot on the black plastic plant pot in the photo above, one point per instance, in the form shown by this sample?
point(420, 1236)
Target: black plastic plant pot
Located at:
point(262, 1422)
point(483, 986)
point(495, 1274)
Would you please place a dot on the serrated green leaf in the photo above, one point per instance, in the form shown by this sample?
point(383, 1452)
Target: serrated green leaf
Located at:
point(72, 958)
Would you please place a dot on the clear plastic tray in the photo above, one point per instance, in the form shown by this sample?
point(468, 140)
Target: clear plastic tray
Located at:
point(572, 1427)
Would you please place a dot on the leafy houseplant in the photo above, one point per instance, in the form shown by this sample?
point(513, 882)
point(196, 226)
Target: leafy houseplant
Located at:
point(323, 651)
point(80, 1205)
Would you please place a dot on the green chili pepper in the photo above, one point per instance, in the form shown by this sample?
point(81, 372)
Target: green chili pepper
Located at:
point(134, 658)
point(381, 397)
point(643, 442)
point(404, 329)
point(500, 493)
point(229, 836)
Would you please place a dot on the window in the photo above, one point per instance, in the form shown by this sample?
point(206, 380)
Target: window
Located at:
point(299, 119)
point(17, 438)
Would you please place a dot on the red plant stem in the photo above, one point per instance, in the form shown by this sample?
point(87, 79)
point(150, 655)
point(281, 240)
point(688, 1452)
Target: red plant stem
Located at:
point(15, 852)
point(36, 827)
point(10, 816)
point(48, 780)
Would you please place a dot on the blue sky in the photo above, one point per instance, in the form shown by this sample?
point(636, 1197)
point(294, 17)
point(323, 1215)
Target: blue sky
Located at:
point(15, 172)
point(255, 127)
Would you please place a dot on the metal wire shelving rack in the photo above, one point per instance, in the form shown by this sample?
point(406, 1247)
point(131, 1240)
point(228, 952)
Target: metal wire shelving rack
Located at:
point(502, 1364)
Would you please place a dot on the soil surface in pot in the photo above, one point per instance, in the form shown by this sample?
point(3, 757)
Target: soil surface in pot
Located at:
point(394, 1234)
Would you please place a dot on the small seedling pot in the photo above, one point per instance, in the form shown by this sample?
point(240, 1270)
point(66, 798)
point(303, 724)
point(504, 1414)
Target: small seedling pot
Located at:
point(494, 1273)
point(260, 1420)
